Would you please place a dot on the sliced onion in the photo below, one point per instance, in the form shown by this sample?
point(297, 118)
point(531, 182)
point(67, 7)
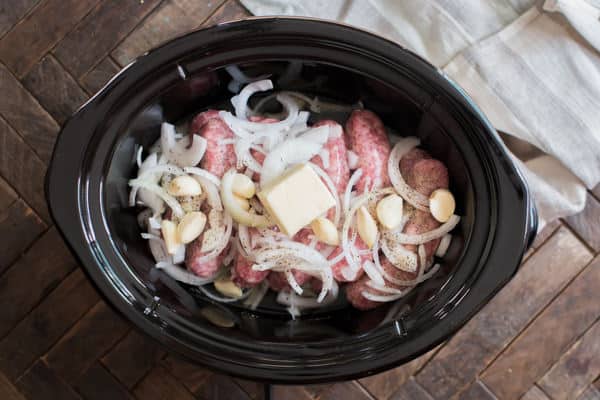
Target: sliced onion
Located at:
point(143, 217)
point(283, 125)
point(443, 246)
point(265, 266)
point(327, 250)
point(399, 256)
point(231, 254)
point(351, 182)
point(319, 134)
point(258, 293)
point(427, 236)
point(420, 278)
point(150, 236)
point(149, 162)
point(138, 156)
point(293, 151)
point(158, 248)
point(181, 275)
point(303, 117)
point(154, 223)
point(162, 193)
point(253, 240)
point(337, 258)
point(334, 289)
point(336, 131)
point(332, 189)
point(305, 251)
point(269, 142)
point(415, 198)
point(383, 288)
point(375, 256)
point(422, 257)
point(146, 197)
point(289, 254)
point(179, 255)
point(220, 243)
point(203, 173)
point(280, 250)
point(287, 299)
point(324, 156)
point(313, 242)
point(244, 157)
point(240, 102)
point(213, 236)
point(294, 95)
point(159, 170)
point(240, 78)
point(293, 309)
point(178, 152)
point(328, 283)
point(213, 198)
point(350, 274)
point(373, 273)
point(300, 125)
point(352, 159)
point(352, 259)
point(383, 298)
point(292, 281)
point(232, 206)
point(429, 273)
point(244, 240)
point(272, 236)
point(314, 104)
point(132, 196)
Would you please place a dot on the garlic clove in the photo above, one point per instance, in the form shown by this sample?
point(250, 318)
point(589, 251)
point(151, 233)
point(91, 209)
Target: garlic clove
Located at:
point(367, 227)
point(217, 317)
point(442, 205)
point(184, 185)
point(191, 226)
point(243, 186)
point(389, 211)
point(325, 231)
point(244, 203)
point(169, 234)
point(226, 287)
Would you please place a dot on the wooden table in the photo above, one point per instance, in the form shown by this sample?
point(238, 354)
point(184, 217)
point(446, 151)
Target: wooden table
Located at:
point(540, 337)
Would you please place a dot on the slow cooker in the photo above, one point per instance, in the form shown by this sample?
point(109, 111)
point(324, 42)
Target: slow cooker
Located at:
point(94, 157)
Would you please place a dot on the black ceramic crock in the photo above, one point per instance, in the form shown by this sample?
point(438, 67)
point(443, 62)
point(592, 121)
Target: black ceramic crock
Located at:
point(86, 188)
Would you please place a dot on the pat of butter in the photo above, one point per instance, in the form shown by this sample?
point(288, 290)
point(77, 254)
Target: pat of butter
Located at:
point(296, 198)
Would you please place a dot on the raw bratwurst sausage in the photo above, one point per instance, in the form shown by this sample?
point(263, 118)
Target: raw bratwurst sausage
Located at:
point(368, 139)
point(217, 159)
point(337, 168)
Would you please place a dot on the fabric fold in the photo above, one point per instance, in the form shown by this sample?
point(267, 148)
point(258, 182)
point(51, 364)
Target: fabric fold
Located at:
point(533, 67)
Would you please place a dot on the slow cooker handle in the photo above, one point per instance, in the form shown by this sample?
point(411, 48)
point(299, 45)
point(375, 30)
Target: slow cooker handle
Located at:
point(532, 222)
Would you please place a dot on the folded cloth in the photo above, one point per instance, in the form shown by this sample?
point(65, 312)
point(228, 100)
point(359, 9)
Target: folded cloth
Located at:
point(533, 67)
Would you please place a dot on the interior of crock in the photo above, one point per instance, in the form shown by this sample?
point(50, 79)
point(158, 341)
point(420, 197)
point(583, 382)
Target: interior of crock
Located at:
point(176, 104)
